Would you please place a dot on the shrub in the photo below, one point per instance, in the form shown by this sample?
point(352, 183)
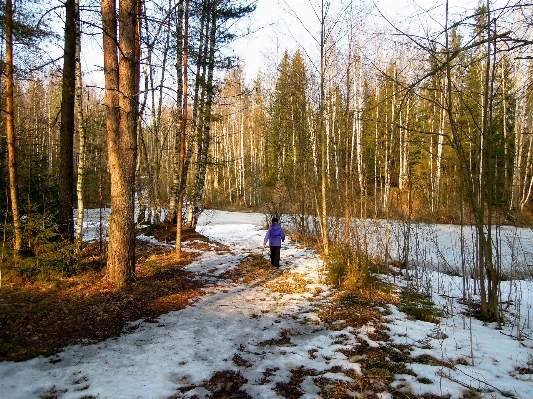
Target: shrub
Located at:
point(45, 256)
point(348, 268)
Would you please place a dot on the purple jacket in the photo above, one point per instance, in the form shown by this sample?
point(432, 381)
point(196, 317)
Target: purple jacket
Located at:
point(275, 234)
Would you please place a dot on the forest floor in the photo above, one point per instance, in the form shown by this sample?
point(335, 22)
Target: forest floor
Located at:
point(41, 318)
point(223, 323)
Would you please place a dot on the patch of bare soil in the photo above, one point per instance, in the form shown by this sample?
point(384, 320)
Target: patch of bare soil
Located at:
point(253, 270)
point(225, 384)
point(40, 318)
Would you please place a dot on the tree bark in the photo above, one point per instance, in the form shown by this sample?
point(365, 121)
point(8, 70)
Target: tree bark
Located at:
point(82, 132)
point(181, 175)
point(173, 208)
point(10, 129)
point(323, 153)
point(204, 135)
point(121, 80)
point(66, 135)
point(197, 107)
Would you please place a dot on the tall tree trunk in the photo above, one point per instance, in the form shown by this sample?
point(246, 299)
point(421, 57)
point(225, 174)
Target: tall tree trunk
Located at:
point(66, 135)
point(205, 116)
point(358, 123)
point(173, 209)
point(493, 276)
point(323, 144)
point(197, 107)
point(347, 153)
point(82, 132)
point(478, 192)
point(10, 129)
point(438, 165)
point(181, 175)
point(121, 81)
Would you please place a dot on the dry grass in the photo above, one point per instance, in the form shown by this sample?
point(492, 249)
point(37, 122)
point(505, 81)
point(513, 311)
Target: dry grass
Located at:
point(289, 283)
point(40, 318)
point(253, 270)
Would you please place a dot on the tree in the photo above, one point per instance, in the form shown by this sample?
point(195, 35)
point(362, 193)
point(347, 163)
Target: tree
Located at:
point(82, 134)
point(180, 81)
point(215, 15)
point(121, 86)
point(324, 225)
point(10, 128)
point(288, 150)
point(66, 141)
point(478, 181)
point(181, 174)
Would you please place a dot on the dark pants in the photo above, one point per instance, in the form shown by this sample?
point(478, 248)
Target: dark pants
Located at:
point(274, 256)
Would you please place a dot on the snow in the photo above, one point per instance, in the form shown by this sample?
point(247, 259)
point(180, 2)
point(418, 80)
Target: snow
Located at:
point(438, 246)
point(245, 322)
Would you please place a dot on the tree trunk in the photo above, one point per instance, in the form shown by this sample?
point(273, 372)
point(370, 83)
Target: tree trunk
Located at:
point(347, 153)
point(173, 208)
point(82, 132)
point(438, 165)
point(197, 108)
point(322, 134)
point(181, 175)
point(478, 188)
point(10, 129)
point(66, 135)
point(205, 117)
point(121, 81)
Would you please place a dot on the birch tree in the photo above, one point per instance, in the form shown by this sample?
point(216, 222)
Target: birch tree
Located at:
point(82, 134)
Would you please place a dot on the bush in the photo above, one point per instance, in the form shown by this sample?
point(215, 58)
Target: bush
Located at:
point(44, 256)
point(348, 268)
point(49, 262)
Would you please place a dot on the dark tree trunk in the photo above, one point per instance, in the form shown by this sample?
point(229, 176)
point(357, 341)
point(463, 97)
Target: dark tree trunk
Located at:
point(204, 128)
point(172, 211)
point(66, 134)
point(181, 175)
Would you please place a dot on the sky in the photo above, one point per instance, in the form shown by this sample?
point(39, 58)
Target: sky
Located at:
point(244, 321)
point(276, 29)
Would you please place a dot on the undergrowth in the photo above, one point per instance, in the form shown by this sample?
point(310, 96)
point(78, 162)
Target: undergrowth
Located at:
point(419, 306)
point(348, 268)
point(38, 317)
point(362, 300)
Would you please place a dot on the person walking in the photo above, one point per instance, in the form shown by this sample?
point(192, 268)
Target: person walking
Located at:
point(275, 235)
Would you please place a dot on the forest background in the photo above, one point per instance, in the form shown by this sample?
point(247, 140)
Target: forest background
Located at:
point(427, 118)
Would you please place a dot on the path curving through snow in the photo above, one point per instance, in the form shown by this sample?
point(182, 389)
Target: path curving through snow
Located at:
point(247, 339)
point(240, 329)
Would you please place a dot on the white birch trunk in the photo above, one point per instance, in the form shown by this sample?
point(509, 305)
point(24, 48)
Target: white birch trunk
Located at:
point(334, 135)
point(81, 136)
point(438, 166)
point(358, 124)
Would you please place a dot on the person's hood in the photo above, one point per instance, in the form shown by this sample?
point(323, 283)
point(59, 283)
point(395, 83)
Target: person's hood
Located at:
point(276, 227)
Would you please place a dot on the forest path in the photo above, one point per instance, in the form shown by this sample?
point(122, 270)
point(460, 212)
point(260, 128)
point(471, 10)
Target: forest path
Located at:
point(271, 333)
point(255, 333)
